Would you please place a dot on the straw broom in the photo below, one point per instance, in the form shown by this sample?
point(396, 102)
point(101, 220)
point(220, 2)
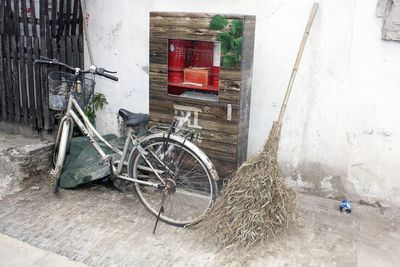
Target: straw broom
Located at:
point(255, 204)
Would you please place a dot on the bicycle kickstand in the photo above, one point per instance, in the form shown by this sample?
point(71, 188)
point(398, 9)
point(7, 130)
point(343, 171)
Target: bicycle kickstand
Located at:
point(160, 211)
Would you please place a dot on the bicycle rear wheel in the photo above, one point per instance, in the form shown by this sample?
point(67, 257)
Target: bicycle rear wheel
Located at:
point(191, 188)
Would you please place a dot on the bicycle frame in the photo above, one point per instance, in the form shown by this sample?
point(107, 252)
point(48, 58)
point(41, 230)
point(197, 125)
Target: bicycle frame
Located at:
point(89, 131)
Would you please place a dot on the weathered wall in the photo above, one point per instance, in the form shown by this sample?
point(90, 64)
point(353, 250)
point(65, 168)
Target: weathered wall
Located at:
point(341, 131)
point(22, 158)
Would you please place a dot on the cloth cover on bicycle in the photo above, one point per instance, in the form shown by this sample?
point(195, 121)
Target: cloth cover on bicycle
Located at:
point(83, 163)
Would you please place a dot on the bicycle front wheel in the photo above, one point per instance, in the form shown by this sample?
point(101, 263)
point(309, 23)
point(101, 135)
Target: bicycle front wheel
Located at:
point(60, 152)
point(191, 189)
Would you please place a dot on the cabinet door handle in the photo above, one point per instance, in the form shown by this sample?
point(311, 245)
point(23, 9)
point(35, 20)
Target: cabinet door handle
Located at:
point(229, 112)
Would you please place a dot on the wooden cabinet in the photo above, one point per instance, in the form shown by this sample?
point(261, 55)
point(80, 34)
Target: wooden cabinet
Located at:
point(202, 64)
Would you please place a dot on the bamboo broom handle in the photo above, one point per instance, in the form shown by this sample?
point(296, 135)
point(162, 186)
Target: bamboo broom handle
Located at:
point(296, 65)
point(85, 30)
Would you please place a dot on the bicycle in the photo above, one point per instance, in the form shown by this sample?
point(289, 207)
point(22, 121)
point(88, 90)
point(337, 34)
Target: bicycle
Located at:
point(171, 176)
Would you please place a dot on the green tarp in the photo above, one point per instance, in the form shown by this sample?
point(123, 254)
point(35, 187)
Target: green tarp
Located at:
point(83, 163)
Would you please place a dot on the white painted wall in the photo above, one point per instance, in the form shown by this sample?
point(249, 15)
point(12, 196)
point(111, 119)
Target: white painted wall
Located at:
point(341, 131)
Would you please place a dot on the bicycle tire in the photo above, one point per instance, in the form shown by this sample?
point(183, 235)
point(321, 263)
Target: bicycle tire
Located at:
point(57, 142)
point(193, 190)
point(62, 145)
point(56, 183)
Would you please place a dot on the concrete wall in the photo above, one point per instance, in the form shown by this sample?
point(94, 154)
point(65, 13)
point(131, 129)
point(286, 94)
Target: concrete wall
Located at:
point(340, 135)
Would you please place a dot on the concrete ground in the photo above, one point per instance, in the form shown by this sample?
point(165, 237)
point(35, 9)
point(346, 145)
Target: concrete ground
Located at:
point(18, 253)
point(99, 226)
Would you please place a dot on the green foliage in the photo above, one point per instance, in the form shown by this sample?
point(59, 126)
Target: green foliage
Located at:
point(231, 59)
point(218, 23)
point(231, 41)
point(237, 27)
point(226, 40)
point(97, 101)
point(237, 46)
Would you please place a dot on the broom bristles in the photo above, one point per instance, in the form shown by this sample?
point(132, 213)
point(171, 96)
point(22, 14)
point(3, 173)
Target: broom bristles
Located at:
point(255, 204)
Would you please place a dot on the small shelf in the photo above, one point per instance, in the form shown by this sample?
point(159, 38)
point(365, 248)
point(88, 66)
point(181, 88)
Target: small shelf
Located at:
point(193, 86)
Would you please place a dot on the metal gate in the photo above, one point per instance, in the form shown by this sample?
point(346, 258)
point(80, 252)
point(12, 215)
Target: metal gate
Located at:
point(30, 29)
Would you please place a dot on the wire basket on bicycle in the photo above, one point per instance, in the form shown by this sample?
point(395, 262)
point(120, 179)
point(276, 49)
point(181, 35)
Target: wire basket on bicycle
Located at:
point(62, 84)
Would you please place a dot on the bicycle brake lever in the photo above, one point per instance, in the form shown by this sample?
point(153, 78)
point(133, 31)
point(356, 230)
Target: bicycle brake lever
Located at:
point(109, 71)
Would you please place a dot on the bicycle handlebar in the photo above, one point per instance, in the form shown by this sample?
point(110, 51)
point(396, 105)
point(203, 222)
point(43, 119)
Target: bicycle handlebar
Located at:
point(92, 69)
point(101, 71)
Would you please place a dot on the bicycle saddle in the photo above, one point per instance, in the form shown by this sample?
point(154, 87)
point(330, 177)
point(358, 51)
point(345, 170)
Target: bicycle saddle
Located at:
point(133, 119)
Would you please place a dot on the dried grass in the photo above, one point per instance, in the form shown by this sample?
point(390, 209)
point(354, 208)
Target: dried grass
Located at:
point(255, 205)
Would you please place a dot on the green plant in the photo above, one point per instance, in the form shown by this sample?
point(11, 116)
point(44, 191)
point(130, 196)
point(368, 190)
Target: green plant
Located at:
point(218, 23)
point(231, 41)
point(97, 101)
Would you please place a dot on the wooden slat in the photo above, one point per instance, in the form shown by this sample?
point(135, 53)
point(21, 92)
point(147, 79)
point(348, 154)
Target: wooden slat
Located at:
point(202, 36)
point(3, 87)
point(75, 51)
point(46, 19)
point(215, 120)
point(193, 23)
point(8, 78)
point(8, 17)
point(81, 54)
point(81, 20)
point(31, 84)
point(16, 28)
point(53, 18)
point(42, 19)
point(49, 69)
point(200, 32)
point(69, 57)
point(38, 85)
point(60, 29)
point(22, 81)
point(2, 14)
point(224, 169)
point(245, 90)
point(15, 79)
point(164, 117)
point(24, 18)
point(74, 17)
point(33, 18)
point(218, 108)
point(54, 50)
point(43, 87)
point(62, 49)
point(68, 18)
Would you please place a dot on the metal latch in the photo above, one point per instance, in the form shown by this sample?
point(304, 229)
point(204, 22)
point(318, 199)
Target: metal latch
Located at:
point(229, 112)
